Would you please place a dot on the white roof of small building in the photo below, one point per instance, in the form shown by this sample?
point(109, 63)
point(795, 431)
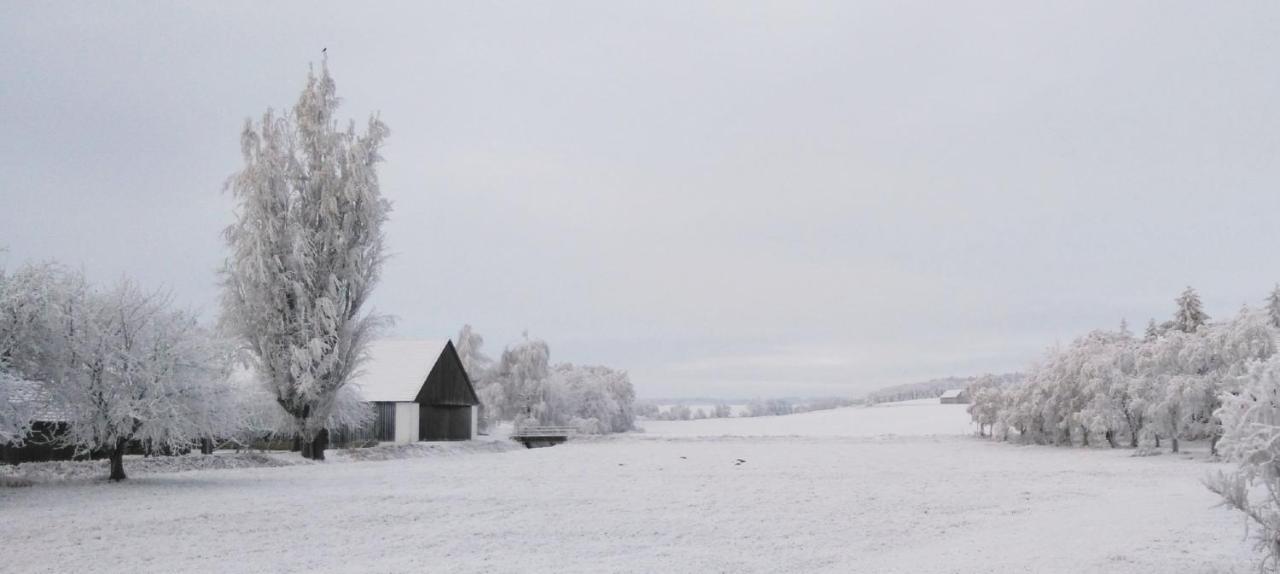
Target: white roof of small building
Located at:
point(397, 368)
point(953, 393)
point(34, 396)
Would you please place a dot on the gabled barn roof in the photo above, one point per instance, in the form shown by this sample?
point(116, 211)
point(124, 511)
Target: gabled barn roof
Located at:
point(953, 393)
point(425, 371)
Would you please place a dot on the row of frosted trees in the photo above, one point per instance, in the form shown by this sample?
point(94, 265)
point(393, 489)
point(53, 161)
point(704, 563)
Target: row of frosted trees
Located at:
point(1114, 386)
point(117, 365)
point(525, 387)
point(1184, 379)
point(1165, 385)
point(121, 368)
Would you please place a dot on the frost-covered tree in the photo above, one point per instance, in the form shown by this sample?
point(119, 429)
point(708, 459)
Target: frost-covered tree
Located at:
point(721, 411)
point(1273, 306)
point(1190, 315)
point(523, 386)
point(1251, 423)
point(985, 398)
point(23, 313)
point(479, 367)
point(469, 345)
point(594, 399)
point(119, 365)
point(1152, 332)
point(15, 417)
point(306, 250)
point(522, 372)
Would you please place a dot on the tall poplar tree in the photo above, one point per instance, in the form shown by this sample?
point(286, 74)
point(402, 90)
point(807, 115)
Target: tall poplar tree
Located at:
point(306, 251)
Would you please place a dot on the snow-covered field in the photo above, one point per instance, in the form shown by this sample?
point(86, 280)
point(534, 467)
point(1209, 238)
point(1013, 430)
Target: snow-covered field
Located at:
point(908, 418)
point(892, 488)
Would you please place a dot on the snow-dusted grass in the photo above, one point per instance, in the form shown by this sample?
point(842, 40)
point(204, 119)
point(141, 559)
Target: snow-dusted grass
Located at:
point(807, 498)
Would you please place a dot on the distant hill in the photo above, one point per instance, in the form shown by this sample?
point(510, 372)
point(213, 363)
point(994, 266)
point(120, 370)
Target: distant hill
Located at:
point(930, 389)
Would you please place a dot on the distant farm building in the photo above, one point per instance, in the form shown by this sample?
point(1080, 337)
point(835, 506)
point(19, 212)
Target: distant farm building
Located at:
point(47, 423)
point(420, 392)
point(954, 397)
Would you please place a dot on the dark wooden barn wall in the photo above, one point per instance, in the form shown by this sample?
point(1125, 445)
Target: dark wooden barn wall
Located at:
point(381, 429)
point(384, 421)
point(448, 383)
point(444, 422)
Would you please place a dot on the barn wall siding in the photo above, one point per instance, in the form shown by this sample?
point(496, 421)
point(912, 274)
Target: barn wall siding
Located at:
point(445, 422)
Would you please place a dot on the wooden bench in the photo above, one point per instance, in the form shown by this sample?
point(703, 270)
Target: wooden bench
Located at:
point(535, 437)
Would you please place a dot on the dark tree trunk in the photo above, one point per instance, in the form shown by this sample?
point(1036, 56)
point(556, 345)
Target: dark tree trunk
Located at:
point(1157, 440)
point(1173, 440)
point(319, 445)
point(306, 449)
point(1133, 438)
point(1213, 443)
point(297, 444)
point(117, 460)
point(1084, 436)
point(206, 446)
point(1111, 438)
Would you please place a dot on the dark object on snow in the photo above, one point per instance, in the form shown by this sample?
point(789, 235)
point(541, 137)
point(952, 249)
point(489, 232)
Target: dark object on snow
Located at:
point(537, 437)
point(739, 461)
point(684, 458)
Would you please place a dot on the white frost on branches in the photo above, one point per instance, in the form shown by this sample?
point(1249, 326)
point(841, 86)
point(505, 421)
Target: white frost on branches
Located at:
point(117, 365)
point(306, 250)
point(525, 387)
point(1108, 384)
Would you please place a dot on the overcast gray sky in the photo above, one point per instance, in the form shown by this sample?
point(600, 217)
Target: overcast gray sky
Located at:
point(732, 199)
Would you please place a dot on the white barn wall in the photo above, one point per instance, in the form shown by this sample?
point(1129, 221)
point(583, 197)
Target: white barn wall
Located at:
point(406, 422)
point(475, 421)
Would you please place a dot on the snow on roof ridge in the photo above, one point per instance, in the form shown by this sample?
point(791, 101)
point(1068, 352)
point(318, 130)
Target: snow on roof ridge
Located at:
point(397, 368)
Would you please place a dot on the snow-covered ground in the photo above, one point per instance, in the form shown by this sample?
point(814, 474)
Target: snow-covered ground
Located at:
point(908, 418)
point(849, 490)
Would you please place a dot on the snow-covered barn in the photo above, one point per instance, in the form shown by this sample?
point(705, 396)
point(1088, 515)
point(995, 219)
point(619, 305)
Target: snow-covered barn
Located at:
point(48, 422)
point(420, 391)
point(954, 397)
